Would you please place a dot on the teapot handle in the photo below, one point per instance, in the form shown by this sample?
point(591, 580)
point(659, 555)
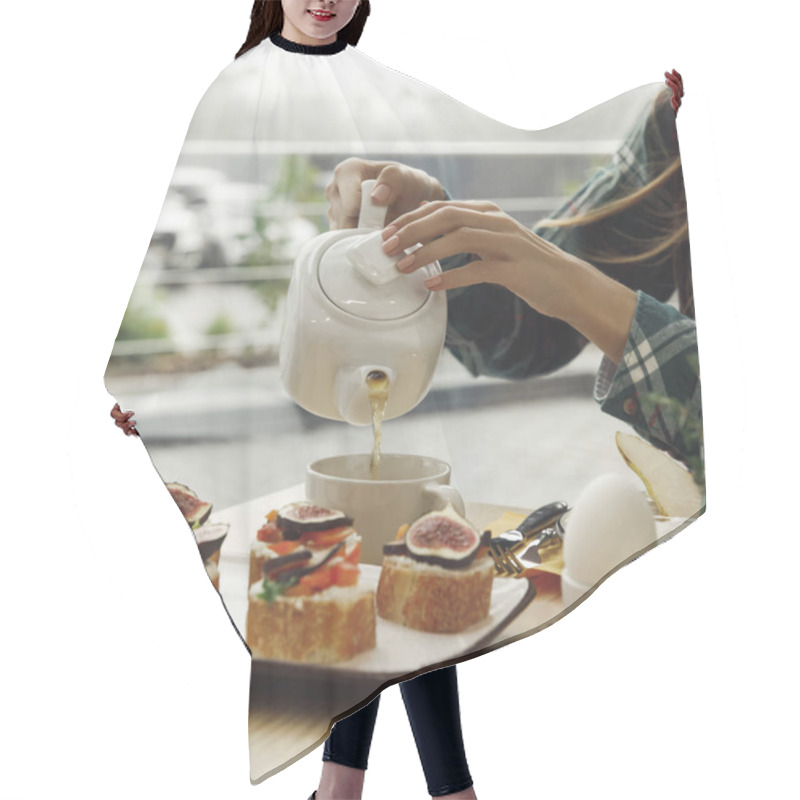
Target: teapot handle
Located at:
point(370, 216)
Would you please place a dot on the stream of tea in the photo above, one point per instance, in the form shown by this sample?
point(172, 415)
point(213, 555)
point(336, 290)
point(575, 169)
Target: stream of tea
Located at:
point(378, 393)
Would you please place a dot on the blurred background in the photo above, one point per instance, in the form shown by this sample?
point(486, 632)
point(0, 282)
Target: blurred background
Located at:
point(126, 673)
point(196, 353)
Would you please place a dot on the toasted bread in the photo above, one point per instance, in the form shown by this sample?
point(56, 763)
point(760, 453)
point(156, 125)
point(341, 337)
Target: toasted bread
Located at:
point(432, 598)
point(328, 626)
point(212, 570)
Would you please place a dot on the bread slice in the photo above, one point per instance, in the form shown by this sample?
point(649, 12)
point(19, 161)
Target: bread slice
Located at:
point(259, 552)
point(435, 599)
point(212, 571)
point(332, 625)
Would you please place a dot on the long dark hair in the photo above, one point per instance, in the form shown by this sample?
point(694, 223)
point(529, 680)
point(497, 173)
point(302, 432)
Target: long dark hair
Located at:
point(266, 18)
point(659, 207)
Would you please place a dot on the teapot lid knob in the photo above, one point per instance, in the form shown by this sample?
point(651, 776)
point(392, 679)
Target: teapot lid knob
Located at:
point(370, 216)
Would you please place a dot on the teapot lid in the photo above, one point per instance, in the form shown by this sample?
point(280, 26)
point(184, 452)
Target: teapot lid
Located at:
point(354, 294)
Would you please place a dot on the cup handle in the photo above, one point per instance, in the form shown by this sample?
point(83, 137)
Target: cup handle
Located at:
point(446, 495)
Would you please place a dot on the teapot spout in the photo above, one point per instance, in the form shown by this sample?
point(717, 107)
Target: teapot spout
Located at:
point(353, 389)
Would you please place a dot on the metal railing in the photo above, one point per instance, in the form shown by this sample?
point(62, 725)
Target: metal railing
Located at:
point(527, 207)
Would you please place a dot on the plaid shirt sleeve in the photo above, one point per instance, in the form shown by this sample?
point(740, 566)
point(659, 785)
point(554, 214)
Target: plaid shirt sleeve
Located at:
point(493, 332)
point(490, 330)
point(656, 386)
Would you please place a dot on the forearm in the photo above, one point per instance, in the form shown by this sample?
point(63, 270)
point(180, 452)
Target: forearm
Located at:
point(597, 306)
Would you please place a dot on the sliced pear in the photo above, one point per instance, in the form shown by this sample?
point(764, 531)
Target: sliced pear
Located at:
point(669, 484)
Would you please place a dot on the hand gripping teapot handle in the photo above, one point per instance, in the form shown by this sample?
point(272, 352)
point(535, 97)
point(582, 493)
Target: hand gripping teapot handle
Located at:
point(445, 496)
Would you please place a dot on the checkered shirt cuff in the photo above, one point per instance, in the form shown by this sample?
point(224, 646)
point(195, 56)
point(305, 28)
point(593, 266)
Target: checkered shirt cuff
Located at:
point(654, 364)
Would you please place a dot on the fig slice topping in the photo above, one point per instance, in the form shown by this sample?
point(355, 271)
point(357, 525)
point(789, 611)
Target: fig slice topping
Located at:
point(303, 517)
point(308, 566)
point(209, 538)
point(274, 566)
point(444, 538)
point(195, 511)
point(395, 549)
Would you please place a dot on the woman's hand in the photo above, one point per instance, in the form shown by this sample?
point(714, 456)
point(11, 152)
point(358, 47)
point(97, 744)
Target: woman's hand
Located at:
point(675, 82)
point(551, 281)
point(124, 420)
point(508, 253)
point(398, 187)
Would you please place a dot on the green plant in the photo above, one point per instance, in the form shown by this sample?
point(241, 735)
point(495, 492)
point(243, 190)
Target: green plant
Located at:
point(220, 326)
point(689, 425)
point(297, 181)
point(271, 292)
point(138, 323)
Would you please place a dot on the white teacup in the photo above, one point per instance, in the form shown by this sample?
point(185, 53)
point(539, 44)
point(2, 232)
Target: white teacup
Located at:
point(409, 486)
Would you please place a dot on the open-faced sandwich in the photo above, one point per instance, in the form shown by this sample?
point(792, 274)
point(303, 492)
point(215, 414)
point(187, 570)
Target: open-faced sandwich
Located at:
point(303, 523)
point(437, 575)
point(309, 601)
point(209, 536)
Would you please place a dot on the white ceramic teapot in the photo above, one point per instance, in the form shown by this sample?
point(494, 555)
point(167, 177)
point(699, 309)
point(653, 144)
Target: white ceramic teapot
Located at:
point(351, 313)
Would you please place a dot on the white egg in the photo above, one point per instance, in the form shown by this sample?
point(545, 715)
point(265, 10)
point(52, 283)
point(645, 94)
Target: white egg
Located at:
point(610, 522)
